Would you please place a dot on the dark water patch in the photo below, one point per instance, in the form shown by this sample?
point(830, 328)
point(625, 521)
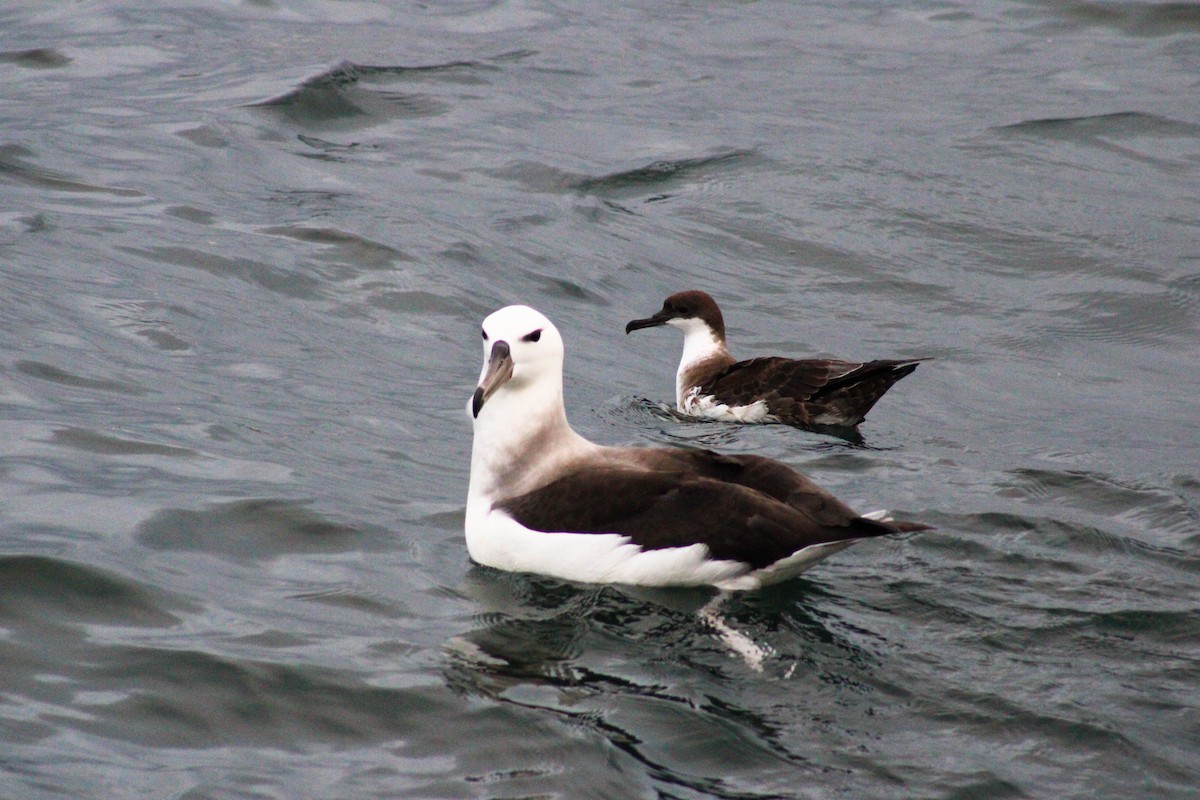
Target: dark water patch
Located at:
point(1035, 347)
point(1118, 145)
point(664, 172)
point(13, 225)
point(325, 145)
point(470, 73)
point(1144, 318)
point(327, 150)
point(1059, 634)
point(164, 340)
point(465, 254)
point(1175, 555)
point(1004, 718)
point(1146, 139)
point(307, 204)
point(1061, 547)
point(205, 136)
point(344, 247)
point(15, 166)
point(189, 214)
point(557, 286)
point(1083, 127)
point(1086, 491)
point(144, 320)
point(1184, 291)
point(962, 541)
point(349, 598)
point(523, 222)
point(654, 177)
point(53, 374)
point(421, 303)
point(193, 699)
point(1044, 560)
point(1007, 253)
point(250, 530)
point(450, 521)
point(353, 94)
point(1188, 486)
point(1167, 626)
point(669, 736)
point(756, 248)
point(1129, 18)
point(51, 591)
point(36, 58)
point(95, 442)
point(266, 276)
point(983, 786)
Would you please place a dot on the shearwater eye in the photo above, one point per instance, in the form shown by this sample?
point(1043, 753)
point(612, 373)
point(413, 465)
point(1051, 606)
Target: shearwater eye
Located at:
point(532, 337)
point(484, 334)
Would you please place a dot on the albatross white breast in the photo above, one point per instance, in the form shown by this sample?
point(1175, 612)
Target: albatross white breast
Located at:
point(544, 499)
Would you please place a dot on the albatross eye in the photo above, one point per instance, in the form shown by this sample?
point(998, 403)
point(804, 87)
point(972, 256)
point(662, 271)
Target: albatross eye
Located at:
point(532, 337)
point(484, 334)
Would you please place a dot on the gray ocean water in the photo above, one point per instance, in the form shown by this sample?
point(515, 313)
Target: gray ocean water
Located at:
point(245, 248)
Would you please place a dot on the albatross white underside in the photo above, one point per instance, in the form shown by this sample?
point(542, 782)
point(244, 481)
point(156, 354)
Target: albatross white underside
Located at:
point(497, 540)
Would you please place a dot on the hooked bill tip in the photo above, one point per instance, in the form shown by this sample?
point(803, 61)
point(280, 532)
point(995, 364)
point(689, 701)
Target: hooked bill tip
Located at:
point(649, 322)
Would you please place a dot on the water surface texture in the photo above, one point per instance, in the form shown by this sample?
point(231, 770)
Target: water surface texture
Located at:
point(245, 248)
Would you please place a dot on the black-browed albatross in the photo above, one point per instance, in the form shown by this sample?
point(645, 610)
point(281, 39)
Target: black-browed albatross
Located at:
point(801, 392)
point(543, 499)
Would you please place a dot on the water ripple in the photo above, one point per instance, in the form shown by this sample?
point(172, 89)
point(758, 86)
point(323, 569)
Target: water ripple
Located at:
point(1131, 18)
point(52, 591)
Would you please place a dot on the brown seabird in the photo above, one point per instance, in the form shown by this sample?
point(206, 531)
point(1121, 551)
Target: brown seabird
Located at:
point(805, 393)
point(543, 499)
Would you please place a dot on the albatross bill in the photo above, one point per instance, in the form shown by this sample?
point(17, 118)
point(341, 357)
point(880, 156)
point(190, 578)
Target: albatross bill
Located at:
point(544, 499)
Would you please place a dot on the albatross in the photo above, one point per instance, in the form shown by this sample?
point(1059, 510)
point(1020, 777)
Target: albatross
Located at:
point(804, 393)
point(543, 499)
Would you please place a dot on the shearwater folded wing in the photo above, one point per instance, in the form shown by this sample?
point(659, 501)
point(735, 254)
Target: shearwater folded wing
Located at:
point(803, 392)
point(806, 391)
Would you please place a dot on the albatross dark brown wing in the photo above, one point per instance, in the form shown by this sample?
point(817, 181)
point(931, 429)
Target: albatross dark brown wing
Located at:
point(806, 392)
point(772, 478)
point(744, 508)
